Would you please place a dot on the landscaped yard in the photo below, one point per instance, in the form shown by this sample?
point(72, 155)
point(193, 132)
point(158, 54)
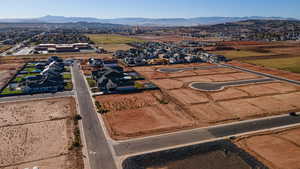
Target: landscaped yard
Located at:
point(112, 39)
point(68, 86)
point(8, 91)
point(91, 82)
point(289, 64)
point(67, 76)
point(22, 76)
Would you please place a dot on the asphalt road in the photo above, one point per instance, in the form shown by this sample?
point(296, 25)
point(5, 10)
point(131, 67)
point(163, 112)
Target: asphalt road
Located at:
point(137, 146)
point(175, 70)
point(98, 148)
point(218, 86)
point(36, 96)
point(262, 74)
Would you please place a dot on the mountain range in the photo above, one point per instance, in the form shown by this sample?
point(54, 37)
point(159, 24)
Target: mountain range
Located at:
point(143, 21)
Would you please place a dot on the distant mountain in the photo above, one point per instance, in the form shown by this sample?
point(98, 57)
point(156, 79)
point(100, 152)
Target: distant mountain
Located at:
point(144, 21)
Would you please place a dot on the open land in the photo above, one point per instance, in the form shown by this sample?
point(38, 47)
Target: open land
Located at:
point(39, 133)
point(4, 48)
point(276, 149)
point(178, 106)
point(132, 115)
point(112, 39)
point(7, 71)
point(279, 55)
point(213, 155)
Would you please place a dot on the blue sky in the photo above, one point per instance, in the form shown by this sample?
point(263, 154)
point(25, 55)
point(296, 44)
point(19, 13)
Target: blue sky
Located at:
point(149, 8)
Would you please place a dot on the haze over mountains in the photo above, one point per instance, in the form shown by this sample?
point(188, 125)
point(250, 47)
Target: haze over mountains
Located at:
point(143, 21)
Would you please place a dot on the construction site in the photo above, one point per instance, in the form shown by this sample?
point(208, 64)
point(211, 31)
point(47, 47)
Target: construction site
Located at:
point(40, 133)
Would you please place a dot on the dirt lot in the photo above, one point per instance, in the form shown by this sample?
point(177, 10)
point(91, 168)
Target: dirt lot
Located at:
point(38, 133)
point(209, 160)
point(177, 106)
point(282, 73)
point(277, 149)
point(132, 115)
point(230, 104)
point(7, 71)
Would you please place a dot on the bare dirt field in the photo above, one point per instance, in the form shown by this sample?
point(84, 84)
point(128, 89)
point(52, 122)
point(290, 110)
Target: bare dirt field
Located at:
point(38, 133)
point(7, 71)
point(177, 106)
point(277, 149)
point(230, 104)
point(209, 160)
point(132, 115)
point(276, 72)
point(212, 155)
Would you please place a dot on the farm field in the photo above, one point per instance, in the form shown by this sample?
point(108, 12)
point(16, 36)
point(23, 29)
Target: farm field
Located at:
point(273, 148)
point(39, 134)
point(288, 64)
point(282, 56)
point(112, 39)
point(235, 54)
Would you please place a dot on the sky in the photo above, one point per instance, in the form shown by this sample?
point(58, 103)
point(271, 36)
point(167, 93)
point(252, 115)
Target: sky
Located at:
point(149, 8)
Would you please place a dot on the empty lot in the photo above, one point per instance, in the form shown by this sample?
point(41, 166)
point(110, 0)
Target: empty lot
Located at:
point(233, 103)
point(133, 115)
point(38, 133)
point(7, 71)
point(277, 149)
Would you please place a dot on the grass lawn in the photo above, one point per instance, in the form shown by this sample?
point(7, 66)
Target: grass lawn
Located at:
point(91, 82)
point(289, 64)
point(112, 39)
point(30, 69)
point(233, 54)
point(68, 86)
point(20, 77)
point(67, 76)
point(7, 91)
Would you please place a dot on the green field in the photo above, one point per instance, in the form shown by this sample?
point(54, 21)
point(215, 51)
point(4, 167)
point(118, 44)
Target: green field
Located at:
point(111, 39)
point(234, 54)
point(289, 64)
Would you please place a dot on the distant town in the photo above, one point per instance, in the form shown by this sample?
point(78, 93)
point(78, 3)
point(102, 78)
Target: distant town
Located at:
point(90, 95)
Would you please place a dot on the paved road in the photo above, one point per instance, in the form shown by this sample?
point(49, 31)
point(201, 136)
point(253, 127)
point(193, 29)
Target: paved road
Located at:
point(99, 152)
point(175, 70)
point(262, 74)
point(138, 146)
point(36, 96)
point(219, 86)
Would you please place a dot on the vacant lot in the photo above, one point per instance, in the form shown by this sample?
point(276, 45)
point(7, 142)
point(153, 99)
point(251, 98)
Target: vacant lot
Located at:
point(115, 47)
point(37, 133)
point(7, 71)
point(279, 149)
point(230, 104)
point(286, 74)
point(212, 155)
point(4, 48)
point(112, 39)
point(133, 115)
